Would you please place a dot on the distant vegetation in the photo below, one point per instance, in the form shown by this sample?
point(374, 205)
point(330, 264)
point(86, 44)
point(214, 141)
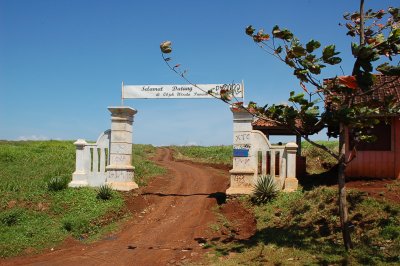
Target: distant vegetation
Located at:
point(211, 154)
point(317, 160)
point(37, 210)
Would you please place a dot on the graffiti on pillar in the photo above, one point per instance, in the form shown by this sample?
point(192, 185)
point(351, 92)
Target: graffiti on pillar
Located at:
point(242, 146)
point(242, 137)
point(121, 148)
point(241, 162)
point(241, 181)
point(122, 176)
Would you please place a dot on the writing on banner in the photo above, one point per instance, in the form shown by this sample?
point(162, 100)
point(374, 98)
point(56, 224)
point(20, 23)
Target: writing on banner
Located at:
point(180, 91)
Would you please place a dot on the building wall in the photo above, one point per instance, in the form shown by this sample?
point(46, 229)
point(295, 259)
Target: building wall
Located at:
point(377, 164)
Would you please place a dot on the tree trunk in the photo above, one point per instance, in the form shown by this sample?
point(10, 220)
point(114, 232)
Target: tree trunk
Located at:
point(344, 219)
point(362, 33)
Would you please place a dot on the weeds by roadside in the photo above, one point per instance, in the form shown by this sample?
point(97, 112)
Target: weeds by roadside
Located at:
point(38, 211)
point(212, 154)
point(303, 228)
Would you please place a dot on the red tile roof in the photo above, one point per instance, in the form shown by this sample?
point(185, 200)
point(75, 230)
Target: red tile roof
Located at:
point(383, 86)
point(265, 123)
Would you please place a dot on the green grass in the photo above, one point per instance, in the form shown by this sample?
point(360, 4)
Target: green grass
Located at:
point(144, 168)
point(33, 216)
point(211, 154)
point(303, 228)
point(319, 161)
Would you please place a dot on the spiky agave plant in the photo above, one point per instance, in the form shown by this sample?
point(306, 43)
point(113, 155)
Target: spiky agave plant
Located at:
point(105, 192)
point(57, 183)
point(264, 190)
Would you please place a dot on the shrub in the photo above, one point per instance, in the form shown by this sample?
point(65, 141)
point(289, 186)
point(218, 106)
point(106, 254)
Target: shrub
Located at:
point(78, 226)
point(105, 192)
point(58, 183)
point(11, 217)
point(264, 190)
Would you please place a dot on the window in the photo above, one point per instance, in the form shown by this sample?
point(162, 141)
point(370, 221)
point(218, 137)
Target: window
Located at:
point(383, 132)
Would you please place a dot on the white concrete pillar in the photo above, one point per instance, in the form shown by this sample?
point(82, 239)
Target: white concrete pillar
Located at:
point(291, 182)
point(120, 172)
point(79, 177)
point(242, 174)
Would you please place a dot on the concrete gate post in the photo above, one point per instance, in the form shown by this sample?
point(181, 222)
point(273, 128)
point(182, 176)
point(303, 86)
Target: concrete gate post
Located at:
point(120, 172)
point(242, 173)
point(291, 182)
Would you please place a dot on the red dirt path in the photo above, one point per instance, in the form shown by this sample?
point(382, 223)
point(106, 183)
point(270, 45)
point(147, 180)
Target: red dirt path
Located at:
point(172, 218)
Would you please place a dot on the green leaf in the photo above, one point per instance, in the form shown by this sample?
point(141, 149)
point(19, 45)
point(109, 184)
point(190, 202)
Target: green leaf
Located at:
point(312, 45)
point(366, 65)
point(315, 69)
point(310, 58)
point(313, 111)
point(289, 62)
point(328, 52)
point(365, 80)
point(366, 52)
point(250, 30)
point(394, 35)
point(301, 74)
point(379, 38)
point(297, 97)
point(333, 60)
point(282, 34)
point(355, 49)
point(389, 70)
point(298, 51)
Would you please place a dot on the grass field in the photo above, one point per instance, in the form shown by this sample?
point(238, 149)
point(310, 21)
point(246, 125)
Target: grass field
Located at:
point(32, 217)
point(303, 228)
point(211, 154)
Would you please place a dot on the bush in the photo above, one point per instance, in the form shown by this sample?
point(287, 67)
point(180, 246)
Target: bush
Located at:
point(78, 226)
point(58, 183)
point(264, 190)
point(11, 217)
point(105, 192)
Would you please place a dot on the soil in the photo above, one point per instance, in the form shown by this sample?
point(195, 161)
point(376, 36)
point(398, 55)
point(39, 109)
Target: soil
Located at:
point(242, 223)
point(171, 219)
point(382, 189)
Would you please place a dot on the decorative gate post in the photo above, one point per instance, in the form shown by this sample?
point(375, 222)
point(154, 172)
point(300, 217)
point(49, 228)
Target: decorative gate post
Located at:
point(120, 172)
point(79, 177)
point(242, 174)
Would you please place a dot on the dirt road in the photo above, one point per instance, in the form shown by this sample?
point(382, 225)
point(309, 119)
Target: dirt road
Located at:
point(175, 217)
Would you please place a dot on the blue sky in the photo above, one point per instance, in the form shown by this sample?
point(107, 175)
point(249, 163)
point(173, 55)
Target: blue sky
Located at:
point(62, 62)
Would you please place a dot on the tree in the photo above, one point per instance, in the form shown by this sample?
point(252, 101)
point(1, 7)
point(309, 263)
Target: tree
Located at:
point(379, 39)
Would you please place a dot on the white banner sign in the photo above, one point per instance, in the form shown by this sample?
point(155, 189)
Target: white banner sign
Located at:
point(180, 91)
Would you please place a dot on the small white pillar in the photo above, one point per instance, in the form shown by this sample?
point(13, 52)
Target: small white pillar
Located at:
point(291, 182)
point(120, 172)
point(79, 177)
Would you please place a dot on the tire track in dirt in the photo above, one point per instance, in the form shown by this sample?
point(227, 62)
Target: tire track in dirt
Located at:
point(178, 213)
